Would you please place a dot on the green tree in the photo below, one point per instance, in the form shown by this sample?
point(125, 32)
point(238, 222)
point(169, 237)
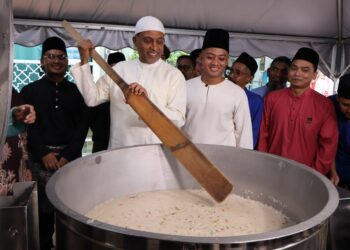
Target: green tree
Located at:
point(174, 55)
point(134, 55)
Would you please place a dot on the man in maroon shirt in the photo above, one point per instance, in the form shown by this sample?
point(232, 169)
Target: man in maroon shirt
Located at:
point(298, 123)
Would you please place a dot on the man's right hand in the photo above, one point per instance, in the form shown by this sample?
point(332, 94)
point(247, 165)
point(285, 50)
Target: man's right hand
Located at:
point(333, 175)
point(85, 47)
point(50, 161)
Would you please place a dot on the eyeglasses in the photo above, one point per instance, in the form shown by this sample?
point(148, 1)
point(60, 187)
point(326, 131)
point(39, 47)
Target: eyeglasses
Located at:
point(53, 57)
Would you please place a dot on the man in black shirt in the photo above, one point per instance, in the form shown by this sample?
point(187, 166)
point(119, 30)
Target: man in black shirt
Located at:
point(58, 135)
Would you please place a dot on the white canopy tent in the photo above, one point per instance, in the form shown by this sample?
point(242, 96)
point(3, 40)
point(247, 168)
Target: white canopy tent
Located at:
point(259, 27)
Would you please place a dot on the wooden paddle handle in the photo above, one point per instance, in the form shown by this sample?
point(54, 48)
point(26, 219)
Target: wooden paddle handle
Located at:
point(99, 60)
point(204, 171)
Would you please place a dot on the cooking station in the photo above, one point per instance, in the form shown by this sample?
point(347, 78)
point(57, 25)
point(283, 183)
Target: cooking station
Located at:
point(311, 198)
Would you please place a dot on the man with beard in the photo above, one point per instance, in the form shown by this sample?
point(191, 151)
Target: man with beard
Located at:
point(278, 76)
point(298, 123)
point(217, 109)
point(59, 132)
point(150, 75)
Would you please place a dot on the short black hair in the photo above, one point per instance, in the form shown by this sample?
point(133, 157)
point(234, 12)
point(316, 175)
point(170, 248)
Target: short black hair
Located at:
point(195, 54)
point(187, 57)
point(282, 59)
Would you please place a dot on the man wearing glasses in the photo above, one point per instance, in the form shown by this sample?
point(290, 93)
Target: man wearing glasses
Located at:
point(59, 132)
point(186, 65)
point(164, 85)
point(242, 73)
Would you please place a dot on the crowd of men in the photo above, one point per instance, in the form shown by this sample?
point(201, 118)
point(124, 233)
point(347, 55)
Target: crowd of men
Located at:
point(294, 122)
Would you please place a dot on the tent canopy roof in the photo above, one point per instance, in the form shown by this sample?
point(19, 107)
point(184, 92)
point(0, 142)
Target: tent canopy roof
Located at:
point(260, 27)
point(309, 18)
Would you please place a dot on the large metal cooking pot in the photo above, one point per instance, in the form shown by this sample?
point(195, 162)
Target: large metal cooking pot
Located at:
point(339, 237)
point(300, 192)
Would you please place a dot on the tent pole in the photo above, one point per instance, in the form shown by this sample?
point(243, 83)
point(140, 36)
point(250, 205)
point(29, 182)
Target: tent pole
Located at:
point(340, 19)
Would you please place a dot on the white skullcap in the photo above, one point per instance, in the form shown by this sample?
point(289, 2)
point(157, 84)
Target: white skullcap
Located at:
point(148, 23)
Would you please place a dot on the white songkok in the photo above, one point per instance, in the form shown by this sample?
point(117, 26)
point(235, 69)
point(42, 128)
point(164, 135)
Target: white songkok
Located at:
point(148, 23)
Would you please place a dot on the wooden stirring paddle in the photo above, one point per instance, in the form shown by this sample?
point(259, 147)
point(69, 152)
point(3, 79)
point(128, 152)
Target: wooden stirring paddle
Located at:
point(204, 171)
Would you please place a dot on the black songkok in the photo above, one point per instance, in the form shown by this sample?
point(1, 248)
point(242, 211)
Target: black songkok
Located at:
point(344, 86)
point(248, 61)
point(307, 54)
point(115, 57)
point(53, 43)
point(216, 38)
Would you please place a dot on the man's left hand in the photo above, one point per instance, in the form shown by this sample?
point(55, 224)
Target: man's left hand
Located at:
point(137, 89)
point(25, 113)
point(333, 175)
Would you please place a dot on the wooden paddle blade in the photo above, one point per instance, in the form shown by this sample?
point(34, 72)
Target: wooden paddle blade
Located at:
point(204, 171)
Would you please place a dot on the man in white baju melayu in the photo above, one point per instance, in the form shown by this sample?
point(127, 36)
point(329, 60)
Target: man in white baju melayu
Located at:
point(150, 75)
point(217, 109)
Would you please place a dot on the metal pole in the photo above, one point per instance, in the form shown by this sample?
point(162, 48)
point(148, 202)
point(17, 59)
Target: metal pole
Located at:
point(6, 65)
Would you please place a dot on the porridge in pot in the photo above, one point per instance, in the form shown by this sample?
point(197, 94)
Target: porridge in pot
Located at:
point(190, 213)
